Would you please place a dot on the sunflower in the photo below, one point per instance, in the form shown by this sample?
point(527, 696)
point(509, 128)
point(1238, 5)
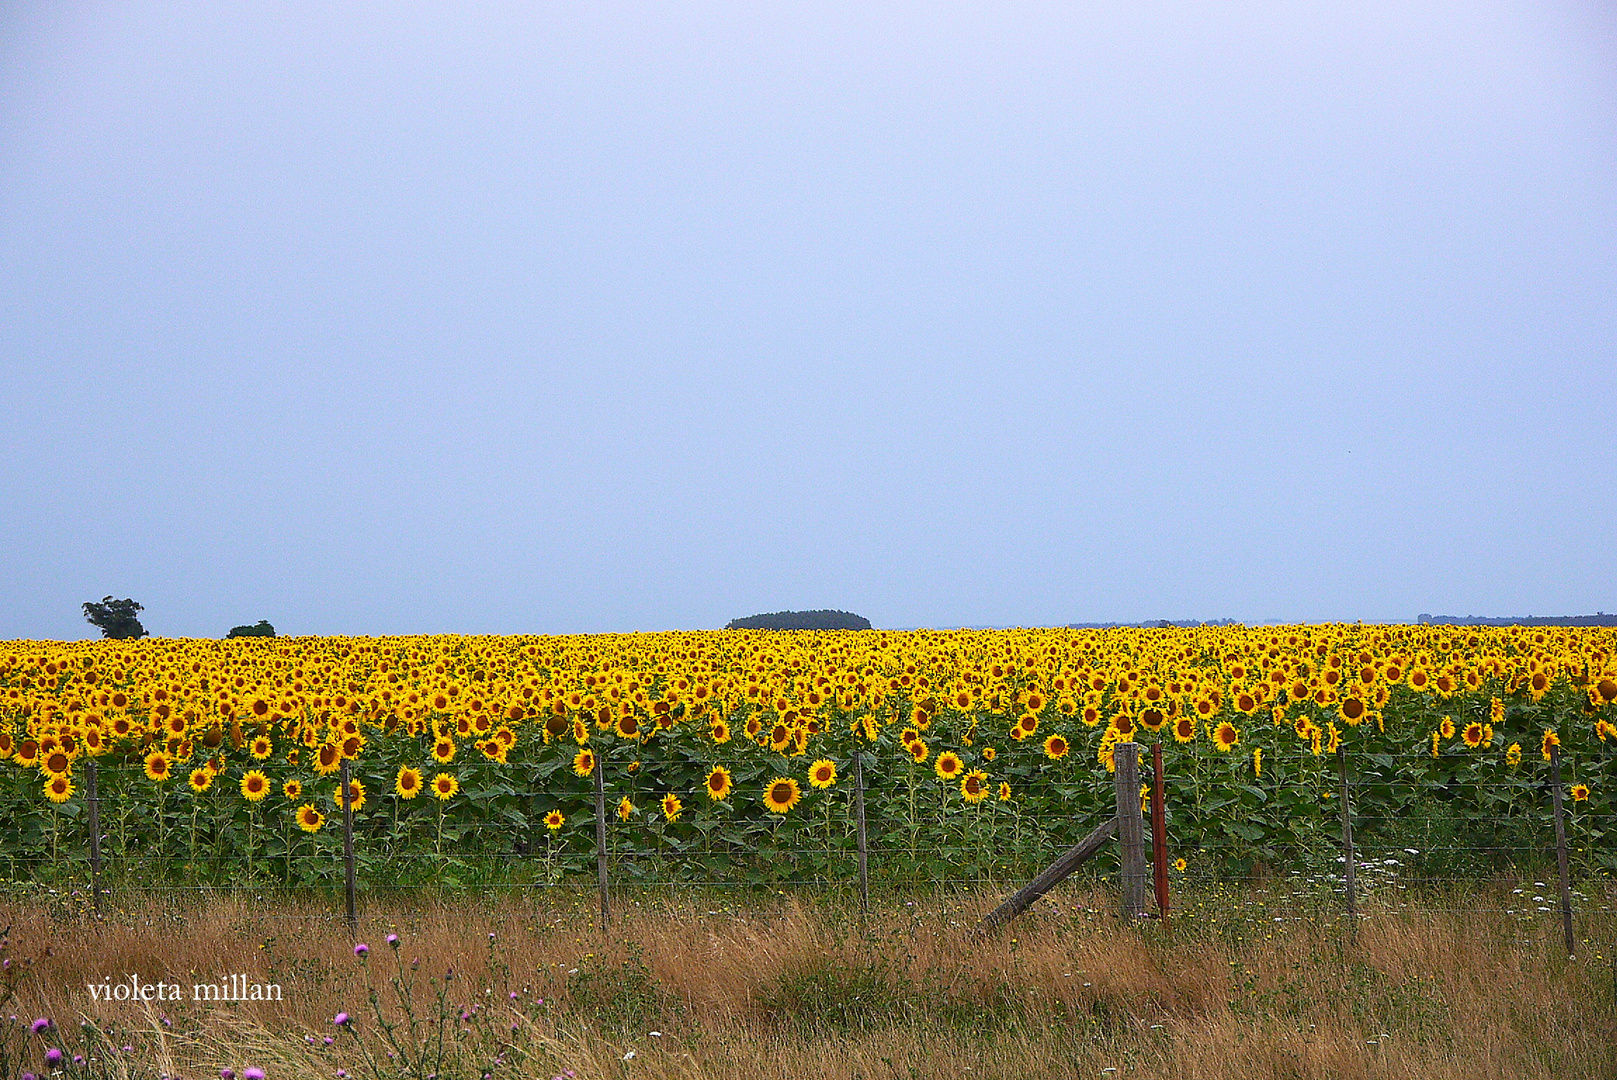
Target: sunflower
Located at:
point(1472, 735)
point(781, 795)
point(262, 747)
point(157, 767)
point(1055, 747)
point(919, 751)
point(1179, 865)
point(718, 783)
point(1225, 736)
point(1004, 791)
point(584, 762)
point(1351, 710)
point(625, 808)
point(628, 726)
point(672, 807)
point(292, 790)
point(719, 732)
point(1257, 761)
point(1550, 740)
point(59, 789)
point(328, 759)
point(254, 786)
point(443, 750)
point(823, 773)
point(56, 763)
point(1580, 792)
point(310, 819)
point(200, 780)
point(780, 736)
point(974, 786)
point(1513, 754)
point(356, 794)
point(408, 783)
point(1184, 730)
point(445, 786)
point(1447, 727)
point(989, 753)
point(948, 766)
point(554, 820)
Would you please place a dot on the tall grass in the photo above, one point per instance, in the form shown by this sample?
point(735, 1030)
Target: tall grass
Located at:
point(705, 984)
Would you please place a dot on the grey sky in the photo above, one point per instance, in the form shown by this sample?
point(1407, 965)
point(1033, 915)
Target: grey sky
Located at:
point(386, 318)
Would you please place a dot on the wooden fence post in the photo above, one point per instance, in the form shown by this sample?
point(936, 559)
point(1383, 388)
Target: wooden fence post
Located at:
point(1130, 830)
point(1159, 833)
point(859, 822)
point(600, 839)
point(1350, 861)
point(92, 797)
point(1053, 875)
point(1560, 850)
point(348, 848)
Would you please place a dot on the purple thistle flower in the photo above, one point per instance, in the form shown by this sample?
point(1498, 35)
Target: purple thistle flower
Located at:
point(53, 1057)
point(362, 949)
point(41, 1025)
point(340, 1019)
point(393, 940)
point(252, 1074)
point(227, 1074)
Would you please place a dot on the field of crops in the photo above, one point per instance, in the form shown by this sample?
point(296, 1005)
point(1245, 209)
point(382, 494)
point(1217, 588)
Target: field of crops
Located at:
point(729, 755)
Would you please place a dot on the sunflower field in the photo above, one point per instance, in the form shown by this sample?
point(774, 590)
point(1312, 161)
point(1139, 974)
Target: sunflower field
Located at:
point(731, 755)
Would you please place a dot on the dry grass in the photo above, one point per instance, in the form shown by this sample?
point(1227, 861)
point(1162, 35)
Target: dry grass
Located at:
point(1448, 987)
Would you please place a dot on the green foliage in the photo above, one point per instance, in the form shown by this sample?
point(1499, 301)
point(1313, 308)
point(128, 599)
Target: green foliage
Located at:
point(820, 619)
point(621, 996)
point(262, 628)
point(115, 619)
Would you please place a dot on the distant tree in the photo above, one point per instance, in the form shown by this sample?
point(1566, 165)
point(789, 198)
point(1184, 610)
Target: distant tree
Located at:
point(260, 629)
point(115, 618)
point(801, 620)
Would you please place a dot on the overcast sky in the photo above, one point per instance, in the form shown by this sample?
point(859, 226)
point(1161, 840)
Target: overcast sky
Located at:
point(554, 317)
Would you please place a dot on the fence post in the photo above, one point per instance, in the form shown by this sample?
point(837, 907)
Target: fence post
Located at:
point(1350, 863)
point(93, 798)
point(1130, 838)
point(859, 822)
point(1049, 878)
point(600, 838)
point(348, 848)
point(1560, 850)
point(1159, 833)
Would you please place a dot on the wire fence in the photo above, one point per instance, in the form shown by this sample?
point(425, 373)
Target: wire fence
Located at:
point(1391, 856)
